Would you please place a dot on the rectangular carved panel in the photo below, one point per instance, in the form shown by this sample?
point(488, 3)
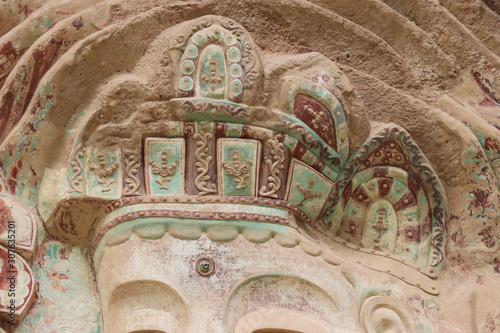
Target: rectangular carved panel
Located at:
point(165, 163)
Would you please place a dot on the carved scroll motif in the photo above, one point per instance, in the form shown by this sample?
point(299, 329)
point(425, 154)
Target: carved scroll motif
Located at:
point(278, 155)
point(296, 128)
point(203, 106)
point(77, 168)
point(131, 170)
point(202, 164)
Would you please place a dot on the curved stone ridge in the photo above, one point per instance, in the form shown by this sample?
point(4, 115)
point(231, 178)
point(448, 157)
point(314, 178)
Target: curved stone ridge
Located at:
point(379, 313)
point(423, 174)
point(227, 229)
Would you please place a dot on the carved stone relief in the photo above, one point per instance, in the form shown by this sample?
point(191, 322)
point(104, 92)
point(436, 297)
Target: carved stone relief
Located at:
point(165, 158)
point(103, 177)
point(383, 314)
point(202, 181)
point(307, 188)
point(164, 172)
point(132, 166)
point(276, 164)
point(239, 160)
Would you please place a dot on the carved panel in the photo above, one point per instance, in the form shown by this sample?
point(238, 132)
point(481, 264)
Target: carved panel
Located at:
point(164, 159)
point(307, 188)
point(238, 165)
point(212, 66)
point(423, 185)
point(380, 211)
point(204, 151)
point(381, 226)
point(316, 116)
point(104, 175)
point(307, 99)
point(211, 80)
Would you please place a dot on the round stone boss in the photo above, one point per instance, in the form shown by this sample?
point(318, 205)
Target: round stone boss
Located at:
point(205, 266)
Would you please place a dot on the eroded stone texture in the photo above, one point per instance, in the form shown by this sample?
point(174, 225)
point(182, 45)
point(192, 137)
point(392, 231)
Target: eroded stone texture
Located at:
point(250, 166)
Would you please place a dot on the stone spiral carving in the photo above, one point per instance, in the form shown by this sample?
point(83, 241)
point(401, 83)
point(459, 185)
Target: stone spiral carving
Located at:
point(131, 170)
point(275, 167)
point(202, 164)
point(385, 314)
point(77, 168)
